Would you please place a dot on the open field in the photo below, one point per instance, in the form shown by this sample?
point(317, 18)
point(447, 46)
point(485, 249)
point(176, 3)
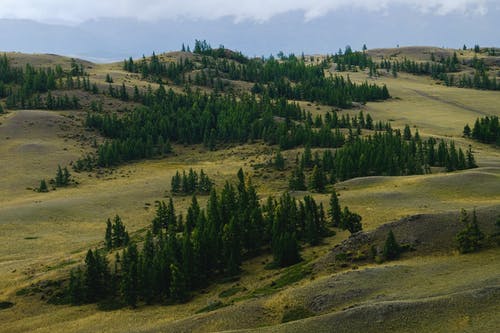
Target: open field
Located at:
point(43, 235)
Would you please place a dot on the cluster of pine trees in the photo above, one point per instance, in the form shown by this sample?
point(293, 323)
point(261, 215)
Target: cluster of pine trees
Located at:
point(343, 218)
point(191, 183)
point(350, 60)
point(470, 238)
point(48, 103)
point(388, 153)
point(155, 69)
point(289, 77)
point(187, 118)
point(433, 68)
point(116, 235)
point(485, 129)
point(180, 255)
point(63, 177)
point(23, 87)
point(480, 80)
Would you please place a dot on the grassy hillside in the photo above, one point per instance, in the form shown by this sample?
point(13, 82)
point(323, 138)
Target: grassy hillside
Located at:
point(431, 289)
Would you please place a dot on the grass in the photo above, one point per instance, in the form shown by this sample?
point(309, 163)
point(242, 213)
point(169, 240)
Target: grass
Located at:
point(212, 307)
point(289, 276)
point(231, 291)
point(45, 234)
point(296, 313)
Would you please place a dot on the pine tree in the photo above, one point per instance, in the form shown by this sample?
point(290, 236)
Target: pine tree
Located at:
point(470, 238)
point(351, 221)
point(471, 162)
point(407, 133)
point(176, 183)
point(147, 271)
point(286, 250)
point(306, 161)
point(391, 247)
point(279, 161)
point(318, 179)
point(298, 180)
point(335, 211)
point(231, 243)
point(43, 186)
point(76, 289)
point(59, 177)
point(467, 131)
point(108, 238)
point(130, 275)
point(178, 290)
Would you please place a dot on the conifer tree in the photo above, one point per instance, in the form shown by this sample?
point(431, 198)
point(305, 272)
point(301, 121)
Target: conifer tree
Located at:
point(335, 211)
point(470, 238)
point(471, 162)
point(108, 237)
point(391, 247)
point(318, 179)
point(76, 289)
point(130, 275)
point(59, 177)
point(279, 161)
point(467, 131)
point(298, 180)
point(43, 186)
point(407, 133)
point(351, 221)
point(178, 290)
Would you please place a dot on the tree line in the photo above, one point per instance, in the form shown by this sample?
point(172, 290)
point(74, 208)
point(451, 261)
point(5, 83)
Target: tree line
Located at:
point(23, 87)
point(289, 77)
point(191, 183)
point(486, 129)
point(388, 153)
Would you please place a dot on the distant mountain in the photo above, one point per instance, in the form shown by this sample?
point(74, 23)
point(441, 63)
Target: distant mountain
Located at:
point(116, 39)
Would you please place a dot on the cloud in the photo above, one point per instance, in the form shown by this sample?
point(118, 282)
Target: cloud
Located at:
point(76, 11)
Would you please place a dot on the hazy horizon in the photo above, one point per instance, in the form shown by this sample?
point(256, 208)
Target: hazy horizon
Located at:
point(100, 33)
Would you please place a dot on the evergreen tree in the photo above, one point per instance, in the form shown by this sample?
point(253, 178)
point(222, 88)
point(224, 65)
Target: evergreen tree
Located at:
point(298, 180)
point(351, 221)
point(471, 162)
point(335, 211)
point(467, 131)
point(286, 250)
point(279, 161)
point(231, 243)
point(318, 179)
point(130, 275)
point(43, 186)
point(470, 238)
point(407, 133)
point(76, 289)
point(391, 247)
point(108, 237)
point(59, 177)
point(178, 290)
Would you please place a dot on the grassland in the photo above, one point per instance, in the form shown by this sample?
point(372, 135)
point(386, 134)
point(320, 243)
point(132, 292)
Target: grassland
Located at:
point(44, 234)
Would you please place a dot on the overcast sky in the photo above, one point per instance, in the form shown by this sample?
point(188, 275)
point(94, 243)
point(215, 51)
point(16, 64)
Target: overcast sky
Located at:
point(76, 11)
point(115, 29)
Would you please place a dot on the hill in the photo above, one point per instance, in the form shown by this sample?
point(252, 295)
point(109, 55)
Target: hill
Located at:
point(338, 284)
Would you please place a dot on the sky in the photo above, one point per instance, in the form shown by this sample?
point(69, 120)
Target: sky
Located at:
point(76, 11)
point(108, 29)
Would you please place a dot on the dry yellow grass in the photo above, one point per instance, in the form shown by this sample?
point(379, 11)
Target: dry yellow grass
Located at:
point(39, 231)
